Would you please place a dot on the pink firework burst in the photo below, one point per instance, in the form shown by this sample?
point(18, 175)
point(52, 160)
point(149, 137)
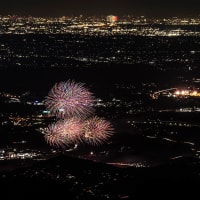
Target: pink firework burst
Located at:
point(64, 132)
point(54, 135)
point(70, 99)
point(97, 130)
point(73, 130)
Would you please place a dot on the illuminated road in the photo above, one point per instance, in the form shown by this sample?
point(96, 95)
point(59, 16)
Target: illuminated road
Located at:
point(160, 91)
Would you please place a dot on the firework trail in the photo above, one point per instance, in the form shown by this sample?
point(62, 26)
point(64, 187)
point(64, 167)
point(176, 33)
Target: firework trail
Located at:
point(70, 99)
point(97, 130)
point(64, 133)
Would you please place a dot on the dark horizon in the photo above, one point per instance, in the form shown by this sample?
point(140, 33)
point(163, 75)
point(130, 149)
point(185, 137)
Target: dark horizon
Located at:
point(51, 8)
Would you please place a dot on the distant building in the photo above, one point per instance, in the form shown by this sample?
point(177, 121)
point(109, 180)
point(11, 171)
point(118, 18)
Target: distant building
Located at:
point(111, 19)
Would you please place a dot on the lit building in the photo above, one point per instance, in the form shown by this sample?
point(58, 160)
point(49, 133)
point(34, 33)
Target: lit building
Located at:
point(111, 19)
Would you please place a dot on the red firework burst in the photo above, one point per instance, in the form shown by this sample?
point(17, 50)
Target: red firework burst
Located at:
point(70, 99)
point(64, 132)
point(97, 130)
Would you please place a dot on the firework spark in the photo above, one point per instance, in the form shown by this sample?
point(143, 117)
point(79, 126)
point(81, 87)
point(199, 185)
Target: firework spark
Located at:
point(64, 133)
point(70, 99)
point(97, 130)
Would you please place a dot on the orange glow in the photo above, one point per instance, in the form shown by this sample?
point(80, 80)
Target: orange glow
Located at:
point(194, 93)
point(182, 92)
point(114, 18)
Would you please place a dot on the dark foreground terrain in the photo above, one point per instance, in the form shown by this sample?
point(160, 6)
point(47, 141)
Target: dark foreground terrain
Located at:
point(73, 178)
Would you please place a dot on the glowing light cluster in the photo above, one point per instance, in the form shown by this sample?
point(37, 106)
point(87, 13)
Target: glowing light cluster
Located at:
point(177, 93)
point(70, 99)
point(72, 103)
point(186, 93)
point(182, 92)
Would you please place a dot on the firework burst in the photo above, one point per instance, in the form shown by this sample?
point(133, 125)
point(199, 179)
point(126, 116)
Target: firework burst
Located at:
point(54, 135)
point(64, 133)
point(97, 130)
point(70, 99)
point(73, 130)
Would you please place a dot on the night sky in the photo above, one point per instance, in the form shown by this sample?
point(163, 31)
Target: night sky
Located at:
point(56, 8)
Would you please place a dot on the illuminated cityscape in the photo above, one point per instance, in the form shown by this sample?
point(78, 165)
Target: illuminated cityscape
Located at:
point(144, 77)
point(106, 25)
